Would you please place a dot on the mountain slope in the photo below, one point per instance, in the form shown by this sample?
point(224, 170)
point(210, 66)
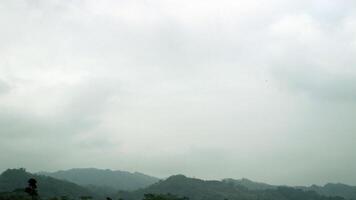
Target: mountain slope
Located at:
point(116, 180)
point(251, 185)
point(16, 179)
point(330, 189)
point(197, 189)
point(346, 191)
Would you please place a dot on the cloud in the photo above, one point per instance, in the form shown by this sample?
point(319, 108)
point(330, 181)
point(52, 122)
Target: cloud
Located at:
point(4, 87)
point(321, 85)
point(313, 57)
point(136, 85)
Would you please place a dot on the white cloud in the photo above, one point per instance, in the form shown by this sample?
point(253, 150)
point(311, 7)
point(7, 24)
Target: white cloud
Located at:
point(133, 84)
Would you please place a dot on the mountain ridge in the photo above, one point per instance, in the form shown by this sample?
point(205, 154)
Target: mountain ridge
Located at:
point(328, 189)
point(16, 180)
point(180, 185)
point(114, 179)
point(197, 189)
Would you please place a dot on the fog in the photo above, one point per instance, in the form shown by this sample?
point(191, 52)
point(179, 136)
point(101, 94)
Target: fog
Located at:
point(210, 89)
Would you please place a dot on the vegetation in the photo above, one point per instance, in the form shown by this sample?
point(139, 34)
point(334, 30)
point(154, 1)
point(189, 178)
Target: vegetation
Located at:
point(13, 187)
point(251, 185)
point(15, 181)
point(32, 188)
point(197, 189)
point(330, 189)
point(163, 197)
point(108, 180)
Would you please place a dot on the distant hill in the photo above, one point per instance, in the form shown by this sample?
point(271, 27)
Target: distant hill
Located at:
point(251, 185)
point(16, 179)
point(330, 189)
point(101, 183)
point(196, 189)
point(104, 179)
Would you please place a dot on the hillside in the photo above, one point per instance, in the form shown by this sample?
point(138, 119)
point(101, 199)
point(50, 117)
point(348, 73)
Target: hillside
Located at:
point(13, 181)
point(330, 189)
point(109, 179)
point(196, 189)
point(251, 185)
point(346, 191)
point(16, 179)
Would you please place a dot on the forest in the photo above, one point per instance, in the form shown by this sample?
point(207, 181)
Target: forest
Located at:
point(18, 184)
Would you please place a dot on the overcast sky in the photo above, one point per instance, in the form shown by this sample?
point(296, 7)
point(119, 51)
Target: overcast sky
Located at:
point(263, 89)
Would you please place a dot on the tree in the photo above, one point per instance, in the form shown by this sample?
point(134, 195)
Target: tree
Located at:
point(31, 189)
point(86, 197)
point(168, 196)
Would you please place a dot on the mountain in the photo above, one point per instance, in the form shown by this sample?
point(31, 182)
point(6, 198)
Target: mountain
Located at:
point(104, 179)
point(251, 185)
point(346, 191)
point(16, 180)
point(102, 183)
point(196, 189)
point(330, 189)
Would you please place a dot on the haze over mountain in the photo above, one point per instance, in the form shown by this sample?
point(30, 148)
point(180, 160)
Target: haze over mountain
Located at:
point(114, 179)
point(329, 189)
point(332, 189)
point(196, 189)
point(16, 179)
point(179, 185)
point(263, 89)
point(251, 185)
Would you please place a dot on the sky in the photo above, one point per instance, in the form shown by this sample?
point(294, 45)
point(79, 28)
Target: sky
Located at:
point(211, 89)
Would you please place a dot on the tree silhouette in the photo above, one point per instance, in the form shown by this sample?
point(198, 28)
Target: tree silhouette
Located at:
point(31, 189)
point(86, 197)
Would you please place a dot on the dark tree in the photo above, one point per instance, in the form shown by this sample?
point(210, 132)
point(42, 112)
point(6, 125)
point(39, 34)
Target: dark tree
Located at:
point(32, 188)
point(168, 196)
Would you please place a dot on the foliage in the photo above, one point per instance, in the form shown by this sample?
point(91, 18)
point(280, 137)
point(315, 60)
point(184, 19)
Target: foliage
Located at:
point(104, 179)
point(13, 179)
point(163, 197)
point(31, 189)
point(176, 187)
point(197, 189)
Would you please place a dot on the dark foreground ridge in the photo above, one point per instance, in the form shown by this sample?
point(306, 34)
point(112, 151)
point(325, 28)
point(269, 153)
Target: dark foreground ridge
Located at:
point(14, 181)
point(17, 184)
point(196, 189)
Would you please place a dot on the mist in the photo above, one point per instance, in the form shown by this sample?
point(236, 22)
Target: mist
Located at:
point(210, 89)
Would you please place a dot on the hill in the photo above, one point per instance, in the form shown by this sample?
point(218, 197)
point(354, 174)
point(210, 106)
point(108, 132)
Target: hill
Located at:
point(196, 189)
point(330, 189)
point(16, 179)
point(251, 185)
point(343, 190)
point(104, 179)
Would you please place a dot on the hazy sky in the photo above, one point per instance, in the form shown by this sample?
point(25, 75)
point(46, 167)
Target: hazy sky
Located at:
point(263, 89)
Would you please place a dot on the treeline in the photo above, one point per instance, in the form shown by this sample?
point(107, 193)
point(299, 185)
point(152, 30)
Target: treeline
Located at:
point(20, 195)
point(17, 184)
point(14, 178)
point(197, 189)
